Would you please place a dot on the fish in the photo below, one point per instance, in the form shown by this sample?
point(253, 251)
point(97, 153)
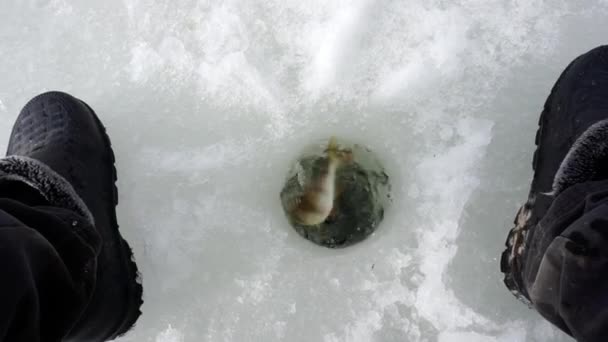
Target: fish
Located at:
point(316, 203)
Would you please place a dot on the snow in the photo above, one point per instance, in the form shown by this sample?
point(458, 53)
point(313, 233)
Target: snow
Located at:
point(208, 102)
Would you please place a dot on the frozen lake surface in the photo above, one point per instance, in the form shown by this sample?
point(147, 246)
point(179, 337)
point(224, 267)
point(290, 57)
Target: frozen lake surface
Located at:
point(208, 102)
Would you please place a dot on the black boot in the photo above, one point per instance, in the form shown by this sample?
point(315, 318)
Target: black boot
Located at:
point(58, 132)
point(571, 149)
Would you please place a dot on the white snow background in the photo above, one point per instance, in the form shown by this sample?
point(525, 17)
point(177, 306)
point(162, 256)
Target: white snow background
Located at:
point(208, 102)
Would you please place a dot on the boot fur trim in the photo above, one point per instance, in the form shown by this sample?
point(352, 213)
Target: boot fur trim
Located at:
point(586, 158)
point(52, 186)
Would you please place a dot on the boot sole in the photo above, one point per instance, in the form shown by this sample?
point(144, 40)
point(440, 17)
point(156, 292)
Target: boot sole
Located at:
point(129, 267)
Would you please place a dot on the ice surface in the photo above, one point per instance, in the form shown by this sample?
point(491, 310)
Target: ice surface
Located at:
point(207, 103)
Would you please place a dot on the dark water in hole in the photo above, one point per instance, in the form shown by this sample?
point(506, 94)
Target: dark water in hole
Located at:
point(359, 208)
